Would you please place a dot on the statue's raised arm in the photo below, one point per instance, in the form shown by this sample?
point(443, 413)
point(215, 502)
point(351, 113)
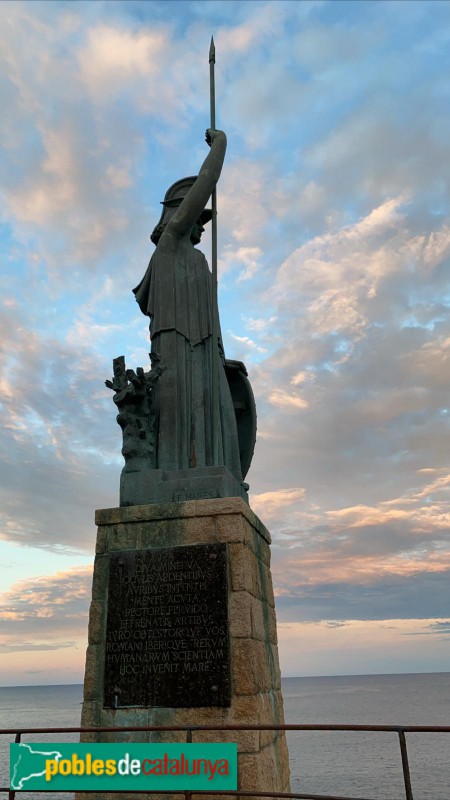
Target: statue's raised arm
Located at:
point(198, 195)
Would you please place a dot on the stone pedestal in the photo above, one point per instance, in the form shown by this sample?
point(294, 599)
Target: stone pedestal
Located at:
point(254, 673)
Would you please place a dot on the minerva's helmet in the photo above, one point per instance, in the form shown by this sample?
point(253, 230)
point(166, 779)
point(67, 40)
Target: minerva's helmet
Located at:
point(174, 197)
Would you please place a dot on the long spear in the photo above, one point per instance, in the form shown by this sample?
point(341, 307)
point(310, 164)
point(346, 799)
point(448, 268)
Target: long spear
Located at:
point(214, 305)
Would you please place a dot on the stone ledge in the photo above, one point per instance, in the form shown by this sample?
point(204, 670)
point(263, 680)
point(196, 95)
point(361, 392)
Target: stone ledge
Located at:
point(190, 508)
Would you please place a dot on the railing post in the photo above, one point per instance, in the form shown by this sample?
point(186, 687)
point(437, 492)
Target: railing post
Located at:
point(188, 795)
point(405, 765)
point(11, 793)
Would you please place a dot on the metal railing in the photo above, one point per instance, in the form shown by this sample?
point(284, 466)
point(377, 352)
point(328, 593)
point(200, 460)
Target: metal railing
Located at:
point(401, 730)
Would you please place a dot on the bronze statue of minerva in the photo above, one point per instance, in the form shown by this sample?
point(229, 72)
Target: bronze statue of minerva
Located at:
point(175, 293)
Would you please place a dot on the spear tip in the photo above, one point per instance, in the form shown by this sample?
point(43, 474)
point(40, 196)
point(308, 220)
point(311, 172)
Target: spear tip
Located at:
point(212, 51)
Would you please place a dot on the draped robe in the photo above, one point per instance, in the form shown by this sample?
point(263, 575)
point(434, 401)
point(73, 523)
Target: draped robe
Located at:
point(176, 294)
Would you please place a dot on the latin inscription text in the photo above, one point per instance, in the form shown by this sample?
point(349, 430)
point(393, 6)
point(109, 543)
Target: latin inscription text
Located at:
point(167, 617)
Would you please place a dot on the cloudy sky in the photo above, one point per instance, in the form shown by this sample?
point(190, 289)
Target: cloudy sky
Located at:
point(334, 242)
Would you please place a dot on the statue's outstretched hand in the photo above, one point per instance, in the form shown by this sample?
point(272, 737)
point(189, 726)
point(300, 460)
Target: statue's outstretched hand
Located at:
point(212, 134)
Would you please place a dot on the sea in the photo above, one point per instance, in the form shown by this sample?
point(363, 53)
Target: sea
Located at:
point(347, 764)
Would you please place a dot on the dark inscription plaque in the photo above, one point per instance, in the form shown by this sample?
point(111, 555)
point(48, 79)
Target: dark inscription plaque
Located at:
point(167, 628)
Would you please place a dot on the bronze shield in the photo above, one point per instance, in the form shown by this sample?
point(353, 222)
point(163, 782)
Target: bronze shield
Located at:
point(245, 410)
